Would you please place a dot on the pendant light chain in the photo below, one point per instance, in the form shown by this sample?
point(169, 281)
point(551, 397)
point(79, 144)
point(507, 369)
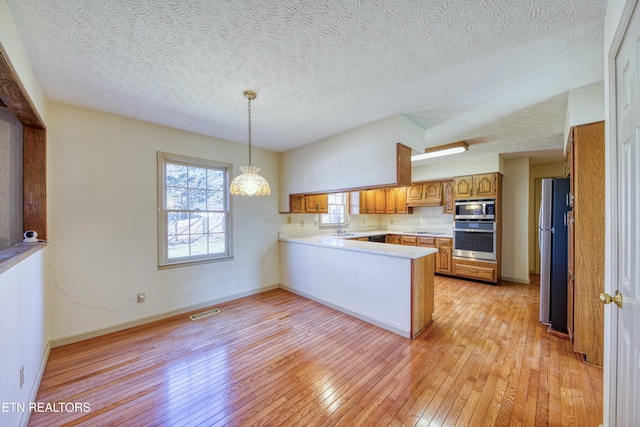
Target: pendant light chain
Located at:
point(249, 131)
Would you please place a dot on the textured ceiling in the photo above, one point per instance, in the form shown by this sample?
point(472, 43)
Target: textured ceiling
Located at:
point(495, 72)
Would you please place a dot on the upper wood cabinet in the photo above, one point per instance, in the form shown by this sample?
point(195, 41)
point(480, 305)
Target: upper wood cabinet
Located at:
point(425, 194)
point(317, 203)
point(475, 186)
point(373, 201)
point(448, 199)
point(396, 200)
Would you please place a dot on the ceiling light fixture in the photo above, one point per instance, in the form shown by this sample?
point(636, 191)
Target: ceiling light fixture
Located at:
point(249, 182)
point(442, 150)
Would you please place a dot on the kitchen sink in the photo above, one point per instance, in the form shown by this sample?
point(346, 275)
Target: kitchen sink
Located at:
point(345, 235)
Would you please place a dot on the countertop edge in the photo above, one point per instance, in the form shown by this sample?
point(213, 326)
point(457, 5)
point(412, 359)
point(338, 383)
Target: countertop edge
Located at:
point(18, 252)
point(385, 249)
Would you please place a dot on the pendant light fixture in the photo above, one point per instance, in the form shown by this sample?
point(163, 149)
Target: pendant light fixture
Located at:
point(249, 182)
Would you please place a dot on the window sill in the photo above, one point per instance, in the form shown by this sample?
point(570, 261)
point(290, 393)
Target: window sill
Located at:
point(13, 255)
point(194, 262)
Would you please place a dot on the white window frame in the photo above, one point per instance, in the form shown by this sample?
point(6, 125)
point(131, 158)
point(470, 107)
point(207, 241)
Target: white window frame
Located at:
point(164, 261)
point(325, 219)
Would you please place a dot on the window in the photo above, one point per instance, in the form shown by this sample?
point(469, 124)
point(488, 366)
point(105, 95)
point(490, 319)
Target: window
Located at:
point(337, 208)
point(194, 218)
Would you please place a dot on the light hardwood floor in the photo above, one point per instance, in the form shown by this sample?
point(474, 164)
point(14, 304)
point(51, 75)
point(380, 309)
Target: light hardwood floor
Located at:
point(278, 359)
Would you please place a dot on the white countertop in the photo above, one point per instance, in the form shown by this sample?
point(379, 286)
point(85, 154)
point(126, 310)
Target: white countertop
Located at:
point(343, 242)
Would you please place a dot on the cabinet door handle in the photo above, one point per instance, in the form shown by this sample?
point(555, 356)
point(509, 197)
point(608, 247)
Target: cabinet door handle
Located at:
point(473, 270)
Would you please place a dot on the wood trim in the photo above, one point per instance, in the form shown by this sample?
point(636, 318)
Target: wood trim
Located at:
point(14, 96)
point(403, 165)
point(34, 180)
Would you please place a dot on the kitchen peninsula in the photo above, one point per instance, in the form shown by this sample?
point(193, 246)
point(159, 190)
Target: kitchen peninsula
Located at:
point(390, 286)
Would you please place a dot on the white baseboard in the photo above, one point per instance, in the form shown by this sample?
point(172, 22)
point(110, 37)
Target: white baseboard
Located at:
point(36, 384)
point(516, 279)
point(57, 342)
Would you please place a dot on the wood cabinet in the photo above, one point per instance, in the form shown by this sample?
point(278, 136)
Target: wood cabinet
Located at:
point(396, 200)
point(394, 239)
point(448, 198)
point(476, 186)
point(478, 270)
point(444, 259)
point(409, 240)
point(372, 201)
point(586, 251)
point(443, 246)
point(316, 203)
point(425, 194)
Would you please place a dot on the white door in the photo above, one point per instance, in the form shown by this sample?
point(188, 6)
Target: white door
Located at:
point(627, 275)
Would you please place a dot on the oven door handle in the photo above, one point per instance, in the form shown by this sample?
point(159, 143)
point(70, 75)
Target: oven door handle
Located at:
point(473, 230)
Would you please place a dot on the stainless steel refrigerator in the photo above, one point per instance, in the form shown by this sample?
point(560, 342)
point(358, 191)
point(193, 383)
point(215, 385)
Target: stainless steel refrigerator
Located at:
point(553, 239)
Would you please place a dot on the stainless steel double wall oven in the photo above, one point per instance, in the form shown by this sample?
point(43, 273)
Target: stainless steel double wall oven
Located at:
point(474, 231)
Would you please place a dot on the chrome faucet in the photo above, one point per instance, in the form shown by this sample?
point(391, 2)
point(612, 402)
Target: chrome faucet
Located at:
point(339, 229)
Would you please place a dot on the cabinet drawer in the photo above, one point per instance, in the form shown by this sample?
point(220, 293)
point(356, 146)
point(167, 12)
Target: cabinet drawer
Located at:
point(444, 242)
point(410, 240)
point(475, 270)
point(429, 242)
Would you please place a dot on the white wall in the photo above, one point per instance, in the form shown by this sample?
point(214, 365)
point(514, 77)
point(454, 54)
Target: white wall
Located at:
point(11, 45)
point(361, 157)
point(24, 334)
point(461, 166)
point(515, 220)
point(584, 105)
point(102, 223)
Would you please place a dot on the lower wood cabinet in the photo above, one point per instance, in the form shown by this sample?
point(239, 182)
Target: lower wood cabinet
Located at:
point(394, 239)
point(410, 240)
point(444, 259)
point(478, 270)
point(443, 256)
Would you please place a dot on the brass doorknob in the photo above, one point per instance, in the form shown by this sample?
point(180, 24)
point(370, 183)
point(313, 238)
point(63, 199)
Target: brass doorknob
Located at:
point(607, 299)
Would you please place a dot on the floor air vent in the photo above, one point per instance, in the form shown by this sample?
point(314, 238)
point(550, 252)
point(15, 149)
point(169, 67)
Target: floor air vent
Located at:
point(204, 314)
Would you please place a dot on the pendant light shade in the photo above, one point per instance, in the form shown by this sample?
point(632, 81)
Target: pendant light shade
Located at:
point(249, 182)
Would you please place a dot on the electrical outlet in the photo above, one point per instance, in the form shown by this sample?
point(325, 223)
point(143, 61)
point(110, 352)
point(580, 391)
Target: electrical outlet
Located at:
point(21, 376)
point(391, 221)
point(288, 220)
point(301, 223)
point(363, 221)
point(141, 297)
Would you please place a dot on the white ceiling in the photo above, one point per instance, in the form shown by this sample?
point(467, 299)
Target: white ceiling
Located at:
point(494, 72)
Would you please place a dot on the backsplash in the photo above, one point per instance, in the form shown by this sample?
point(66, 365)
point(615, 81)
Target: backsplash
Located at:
point(423, 218)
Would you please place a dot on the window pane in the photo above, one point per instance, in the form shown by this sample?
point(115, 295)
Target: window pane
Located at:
point(215, 200)
point(176, 198)
point(176, 175)
point(197, 178)
point(197, 200)
point(217, 243)
point(198, 244)
point(216, 223)
point(178, 246)
point(215, 179)
point(196, 223)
